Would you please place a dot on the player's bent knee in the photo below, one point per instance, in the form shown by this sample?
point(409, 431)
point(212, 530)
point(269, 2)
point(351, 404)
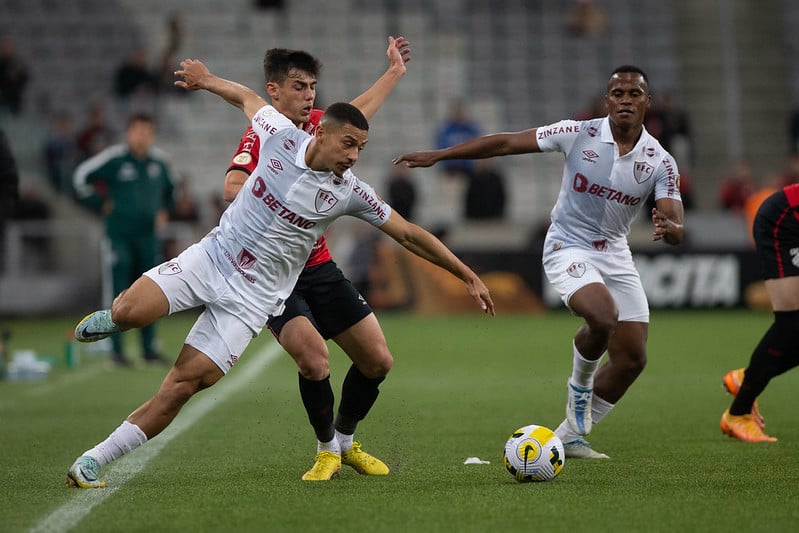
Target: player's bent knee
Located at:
point(128, 314)
point(633, 365)
point(377, 368)
point(176, 392)
point(313, 369)
point(603, 324)
point(127, 318)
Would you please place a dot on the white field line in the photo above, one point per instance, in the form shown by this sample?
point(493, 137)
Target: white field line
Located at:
point(123, 470)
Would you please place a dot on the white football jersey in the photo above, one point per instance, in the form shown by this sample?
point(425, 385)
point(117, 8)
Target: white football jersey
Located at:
point(265, 236)
point(601, 193)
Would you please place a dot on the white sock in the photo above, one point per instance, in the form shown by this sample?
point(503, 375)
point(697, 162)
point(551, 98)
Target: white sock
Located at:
point(332, 446)
point(599, 409)
point(123, 440)
point(345, 441)
point(583, 369)
point(565, 432)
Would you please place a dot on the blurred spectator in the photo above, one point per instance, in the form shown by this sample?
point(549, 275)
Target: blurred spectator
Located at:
point(737, 186)
point(14, 74)
point(184, 208)
point(402, 191)
point(751, 205)
point(269, 4)
point(137, 86)
point(361, 261)
point(669, 124)
point(596, 108)
point(217, 205)
point(31, 206)
point(456, 128)
point(184, 211)
point(485, 192)
point(96, 135)
point(134, 77)
point(687, 191)
point(790, 174)
point(793, 132)
point(59, 153)
point(9, 184)
point(586, 19)
point(173, 41)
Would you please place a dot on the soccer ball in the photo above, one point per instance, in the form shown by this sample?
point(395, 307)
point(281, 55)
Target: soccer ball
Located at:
point(534, 453)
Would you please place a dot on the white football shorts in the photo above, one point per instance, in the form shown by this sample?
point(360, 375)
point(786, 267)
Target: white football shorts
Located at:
point(191, 280)
point(570, 269)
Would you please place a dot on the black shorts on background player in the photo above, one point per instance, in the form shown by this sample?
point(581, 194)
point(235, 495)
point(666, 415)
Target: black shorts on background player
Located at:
point(324, 296)
point(776, 233)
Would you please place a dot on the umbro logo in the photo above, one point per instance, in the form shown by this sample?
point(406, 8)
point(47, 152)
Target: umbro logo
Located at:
point(590, 156)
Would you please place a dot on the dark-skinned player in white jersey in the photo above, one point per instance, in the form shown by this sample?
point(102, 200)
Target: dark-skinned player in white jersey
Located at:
point(324, 304)
point(244, 269)
point(612, 164)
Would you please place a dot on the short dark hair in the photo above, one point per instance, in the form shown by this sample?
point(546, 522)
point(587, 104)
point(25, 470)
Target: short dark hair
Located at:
point(630, 68)
point(342, 113)
point(141, 116)
point(279, 62)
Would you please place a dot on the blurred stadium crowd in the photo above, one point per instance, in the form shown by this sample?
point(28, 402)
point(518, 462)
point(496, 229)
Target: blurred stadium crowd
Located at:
point(725, 103)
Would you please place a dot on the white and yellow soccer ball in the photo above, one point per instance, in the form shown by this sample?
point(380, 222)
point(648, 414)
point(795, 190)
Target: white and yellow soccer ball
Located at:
point(534, 453)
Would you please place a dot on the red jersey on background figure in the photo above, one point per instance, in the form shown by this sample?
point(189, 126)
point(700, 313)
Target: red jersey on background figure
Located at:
point(246, 159)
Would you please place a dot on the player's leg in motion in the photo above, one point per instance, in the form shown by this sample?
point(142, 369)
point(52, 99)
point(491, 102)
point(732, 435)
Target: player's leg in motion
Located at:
point(595, 304)
point(192, 372)
point(776, 353)
point(732, 381)
point(366, 346)
point(626, 360)
point(136, 307)
point(306, 346)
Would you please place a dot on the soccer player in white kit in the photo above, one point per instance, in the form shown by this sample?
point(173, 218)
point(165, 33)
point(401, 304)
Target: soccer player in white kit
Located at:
point(324, 304)
point(612, 165)
point(246, 267)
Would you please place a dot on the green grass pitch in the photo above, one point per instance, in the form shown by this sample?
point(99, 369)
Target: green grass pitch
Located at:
point(459, 386)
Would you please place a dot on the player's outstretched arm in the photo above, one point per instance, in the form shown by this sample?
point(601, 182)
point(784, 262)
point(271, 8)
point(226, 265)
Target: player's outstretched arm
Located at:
point(424, 244)
point(496, 144)
point(195, 76)
point(399, 53)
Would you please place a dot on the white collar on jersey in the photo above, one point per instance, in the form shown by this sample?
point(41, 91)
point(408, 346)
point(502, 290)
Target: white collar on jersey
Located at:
point(606, 136)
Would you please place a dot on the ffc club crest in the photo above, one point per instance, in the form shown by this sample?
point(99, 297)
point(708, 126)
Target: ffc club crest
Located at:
point(576, 270)
point(643, 171)
point(325, 201)
point(169, 269)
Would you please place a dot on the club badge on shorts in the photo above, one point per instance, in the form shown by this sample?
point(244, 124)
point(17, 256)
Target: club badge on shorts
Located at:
point(576, 270)
point(169, 268)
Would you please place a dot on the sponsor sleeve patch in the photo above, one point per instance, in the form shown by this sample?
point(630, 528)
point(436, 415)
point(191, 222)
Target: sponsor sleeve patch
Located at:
point(242, 158)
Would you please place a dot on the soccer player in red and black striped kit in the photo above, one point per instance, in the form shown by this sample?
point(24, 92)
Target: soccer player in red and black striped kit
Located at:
point(776, 233)
point(324, 303)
